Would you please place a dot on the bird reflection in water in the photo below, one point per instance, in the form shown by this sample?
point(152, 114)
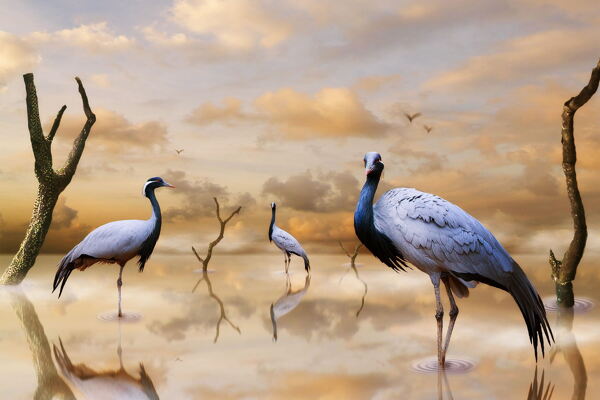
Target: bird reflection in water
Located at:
point(287, 302)
point(540, 390)
point(352, 267)
point(223, 314)
point(108, 384)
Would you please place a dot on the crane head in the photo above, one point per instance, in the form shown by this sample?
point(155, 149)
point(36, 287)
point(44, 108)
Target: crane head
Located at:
point(154, 183)
point(373, 163)
point(273, 205)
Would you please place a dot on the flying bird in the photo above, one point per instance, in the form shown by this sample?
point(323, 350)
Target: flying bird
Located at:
point(116, 242)
point(179, 151)
point(428, 128)
point(410, 117)
point(440, 239)
point(286, 242)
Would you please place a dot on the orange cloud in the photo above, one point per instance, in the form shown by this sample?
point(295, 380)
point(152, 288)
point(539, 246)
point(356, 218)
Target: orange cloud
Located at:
point(96, 37)
point(331, 112)
point(16, 57)
point(113, 133)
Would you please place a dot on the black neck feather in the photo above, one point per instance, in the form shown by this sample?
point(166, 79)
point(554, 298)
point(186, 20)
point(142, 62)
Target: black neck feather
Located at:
point(148, 245)
point(272, 223)
point(364, 225)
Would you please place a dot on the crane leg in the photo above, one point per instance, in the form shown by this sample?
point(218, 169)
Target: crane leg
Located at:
point(439, 317)
point(453, 315)
point(119, 284)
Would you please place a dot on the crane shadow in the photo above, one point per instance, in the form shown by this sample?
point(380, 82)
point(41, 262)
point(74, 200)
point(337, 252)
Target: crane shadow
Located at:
point(287, 302)
point(114, 383)
point(50, 384)
point(222, 312)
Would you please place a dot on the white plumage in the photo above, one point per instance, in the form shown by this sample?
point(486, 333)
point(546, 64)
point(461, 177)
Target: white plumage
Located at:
point(444, 241)
point(286, 242)
point(116, 242)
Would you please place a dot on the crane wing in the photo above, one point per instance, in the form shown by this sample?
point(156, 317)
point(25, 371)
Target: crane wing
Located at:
point(434, 232)
point(119, 239)
point(286, 241)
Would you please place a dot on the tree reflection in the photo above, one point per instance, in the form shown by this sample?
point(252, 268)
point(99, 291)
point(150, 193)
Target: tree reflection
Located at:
point(287, 302)
point(566, 344)
point(223, 314)
point(50, 384)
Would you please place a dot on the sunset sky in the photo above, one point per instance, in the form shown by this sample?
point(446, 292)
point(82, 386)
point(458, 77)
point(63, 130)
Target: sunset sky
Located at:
point(279, 101)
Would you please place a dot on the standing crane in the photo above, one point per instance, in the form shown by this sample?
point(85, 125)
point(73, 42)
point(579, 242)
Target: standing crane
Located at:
point(442, 240)
point(286, 242)
point(116, 242)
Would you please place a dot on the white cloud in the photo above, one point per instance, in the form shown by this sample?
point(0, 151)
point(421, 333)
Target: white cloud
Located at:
point(17, 57)
point(96, 37)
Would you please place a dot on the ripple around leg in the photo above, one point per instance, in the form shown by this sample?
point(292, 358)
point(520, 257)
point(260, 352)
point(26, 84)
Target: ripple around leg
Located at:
point(111, 316)
point(581, 305)
point(453, 365)
point(208, 271)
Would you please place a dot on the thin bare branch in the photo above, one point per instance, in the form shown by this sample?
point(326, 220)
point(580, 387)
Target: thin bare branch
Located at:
point(215, 242)
point(56, 123)
point(39, 144)
point(79, 143)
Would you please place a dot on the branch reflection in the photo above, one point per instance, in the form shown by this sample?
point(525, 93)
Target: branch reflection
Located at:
point(223, 314)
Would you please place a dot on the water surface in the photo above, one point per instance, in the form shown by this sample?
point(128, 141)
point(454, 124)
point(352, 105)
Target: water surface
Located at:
point(249, 333)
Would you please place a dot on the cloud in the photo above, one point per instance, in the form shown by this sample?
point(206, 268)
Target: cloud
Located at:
point(521, 56)
point(238, 24)
point(16, 57)
point(100, 80)
point(331, 112)
point(230, 113)
point(96, 38)
point(113, 133)
point(198, 197)
point(63, 215)
point(375, 82)
point(331, 191)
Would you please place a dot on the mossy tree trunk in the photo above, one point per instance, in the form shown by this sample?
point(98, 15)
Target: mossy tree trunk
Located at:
point(564, 271)
point(51, 182)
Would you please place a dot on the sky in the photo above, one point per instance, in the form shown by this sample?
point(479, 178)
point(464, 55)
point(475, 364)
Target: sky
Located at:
point(279, 101)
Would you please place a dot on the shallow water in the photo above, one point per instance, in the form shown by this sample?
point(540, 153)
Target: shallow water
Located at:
point(248, 333)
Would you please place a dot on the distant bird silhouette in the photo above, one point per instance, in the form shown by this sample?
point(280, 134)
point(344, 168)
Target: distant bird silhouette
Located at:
point(442, 240)
point(116, 242)
point(428, 128)
point(179, 151)
point(286, 242)
point(410, 117)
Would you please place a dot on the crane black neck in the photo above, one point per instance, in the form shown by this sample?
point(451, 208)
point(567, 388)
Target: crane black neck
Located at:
point(149, 192)
point(272, 223)
point(363, 216)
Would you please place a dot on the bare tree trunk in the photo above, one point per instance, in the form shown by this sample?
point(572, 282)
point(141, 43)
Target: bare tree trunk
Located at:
point(564, 271)
point(51, 182)
point(211, 245)
point(50, 384)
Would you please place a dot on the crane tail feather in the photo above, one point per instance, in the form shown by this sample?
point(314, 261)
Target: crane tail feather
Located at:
point(62, 275)
point(529, 302)
point(306, 263)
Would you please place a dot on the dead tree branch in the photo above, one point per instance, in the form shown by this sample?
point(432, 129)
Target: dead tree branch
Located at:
point(51, 182)
point(355, 270)
point(564, 271)
point(215, 242)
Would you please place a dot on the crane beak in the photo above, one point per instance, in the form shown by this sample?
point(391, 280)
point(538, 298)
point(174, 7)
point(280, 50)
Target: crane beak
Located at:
point(169, 185)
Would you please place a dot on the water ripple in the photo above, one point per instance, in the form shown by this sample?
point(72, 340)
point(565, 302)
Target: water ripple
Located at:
point(582, 304)
point(452, 366)
point(113, 316)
